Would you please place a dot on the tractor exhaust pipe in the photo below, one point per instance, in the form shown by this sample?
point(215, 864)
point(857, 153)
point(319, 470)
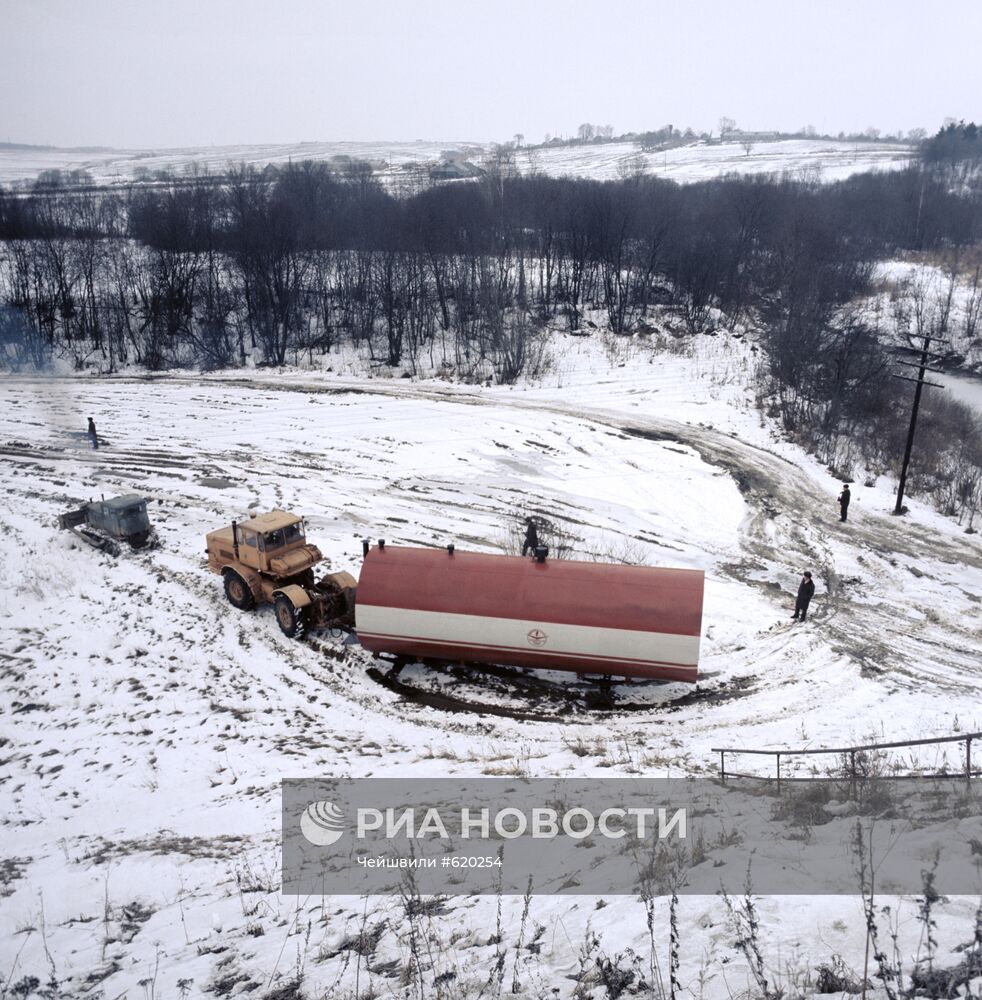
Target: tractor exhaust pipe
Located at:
point(235, 539)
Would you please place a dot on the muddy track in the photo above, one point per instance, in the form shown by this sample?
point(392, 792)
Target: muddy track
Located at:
point(104, 456)
point(527, 698)
point(789, 524)
point(761, 475)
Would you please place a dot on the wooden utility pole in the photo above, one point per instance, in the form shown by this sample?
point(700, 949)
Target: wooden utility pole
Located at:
point(927, 356)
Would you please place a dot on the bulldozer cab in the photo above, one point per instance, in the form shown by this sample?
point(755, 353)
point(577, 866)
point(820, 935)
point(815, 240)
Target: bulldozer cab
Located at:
point(121, 517)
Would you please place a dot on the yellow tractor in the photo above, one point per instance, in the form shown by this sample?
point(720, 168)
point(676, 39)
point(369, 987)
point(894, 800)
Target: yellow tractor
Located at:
point(267, 560)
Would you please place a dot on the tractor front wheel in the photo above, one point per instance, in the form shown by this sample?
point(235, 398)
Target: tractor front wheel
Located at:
point(290, 620)
point(238, 593)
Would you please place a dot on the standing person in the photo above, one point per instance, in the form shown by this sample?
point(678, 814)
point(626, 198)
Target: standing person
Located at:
point(531, 537)
point(806, 591)
point(844, 497)
point(93, 436)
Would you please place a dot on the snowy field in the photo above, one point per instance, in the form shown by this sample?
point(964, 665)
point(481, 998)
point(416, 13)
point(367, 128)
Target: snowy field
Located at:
point(146, 725)
point(111, 166)
point(816, 158)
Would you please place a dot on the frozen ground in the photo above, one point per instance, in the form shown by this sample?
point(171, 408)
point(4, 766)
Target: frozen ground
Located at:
point(824, 159)
point(146, 725)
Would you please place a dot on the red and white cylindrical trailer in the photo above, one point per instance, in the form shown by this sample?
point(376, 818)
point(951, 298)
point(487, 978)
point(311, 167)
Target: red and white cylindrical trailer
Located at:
point(592, 618)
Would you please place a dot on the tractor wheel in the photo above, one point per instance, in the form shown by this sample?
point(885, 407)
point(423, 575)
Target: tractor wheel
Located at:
point(238, 593)
point(292, 623)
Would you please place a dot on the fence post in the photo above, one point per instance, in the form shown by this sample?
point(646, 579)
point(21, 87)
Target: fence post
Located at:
point(778, 772)
point(968, 760)
point(722, 765)
point(852, 772)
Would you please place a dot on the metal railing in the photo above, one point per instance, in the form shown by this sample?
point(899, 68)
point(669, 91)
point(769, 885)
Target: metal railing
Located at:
point(850, 752)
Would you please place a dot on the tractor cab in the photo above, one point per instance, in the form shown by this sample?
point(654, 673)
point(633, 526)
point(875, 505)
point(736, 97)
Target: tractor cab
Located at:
point(273, 543)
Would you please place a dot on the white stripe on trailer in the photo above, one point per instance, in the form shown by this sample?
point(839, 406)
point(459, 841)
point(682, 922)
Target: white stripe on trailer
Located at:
point(489, 654)
point(580, 641)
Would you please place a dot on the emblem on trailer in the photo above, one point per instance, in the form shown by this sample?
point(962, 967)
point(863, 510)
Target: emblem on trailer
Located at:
point(322, 823)
point(537, 637)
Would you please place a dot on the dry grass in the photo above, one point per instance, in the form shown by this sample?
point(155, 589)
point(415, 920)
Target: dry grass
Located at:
point(222, 847)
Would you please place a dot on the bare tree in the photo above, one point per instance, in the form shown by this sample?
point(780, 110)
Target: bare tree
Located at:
point(585, 132)
point(973, 305)
point(22, 344)
point(632, 167)
point(726, 126)
point(748, 145)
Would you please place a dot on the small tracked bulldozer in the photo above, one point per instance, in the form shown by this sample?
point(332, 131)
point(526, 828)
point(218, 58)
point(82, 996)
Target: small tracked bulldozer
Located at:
point(267, 560)
point(104, 524)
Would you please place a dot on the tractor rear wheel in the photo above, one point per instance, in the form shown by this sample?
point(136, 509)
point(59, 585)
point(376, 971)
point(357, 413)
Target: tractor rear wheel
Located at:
point(291, 621)
point(237, 591)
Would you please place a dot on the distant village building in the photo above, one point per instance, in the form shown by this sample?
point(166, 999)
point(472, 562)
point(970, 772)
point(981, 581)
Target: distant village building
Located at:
point(455, 170)
point(740, 135)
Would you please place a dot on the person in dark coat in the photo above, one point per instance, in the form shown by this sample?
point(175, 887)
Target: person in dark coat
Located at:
point(93, 436)
point(531, 537)
point(844, 497)
point(806, 591)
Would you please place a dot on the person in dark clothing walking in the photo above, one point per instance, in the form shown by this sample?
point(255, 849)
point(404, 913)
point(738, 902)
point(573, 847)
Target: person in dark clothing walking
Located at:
point(806, 591)
point(844, 497)
point(531, 537)
point(93, 436)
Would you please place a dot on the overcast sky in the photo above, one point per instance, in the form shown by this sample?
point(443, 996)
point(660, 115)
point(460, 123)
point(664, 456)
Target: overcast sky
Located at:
point(137, 73)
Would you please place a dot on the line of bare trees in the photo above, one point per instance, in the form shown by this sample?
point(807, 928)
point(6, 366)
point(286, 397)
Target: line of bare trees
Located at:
point(285, 262)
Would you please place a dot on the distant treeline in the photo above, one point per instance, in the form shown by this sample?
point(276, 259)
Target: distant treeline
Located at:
point(955, 141)
point(282, 264)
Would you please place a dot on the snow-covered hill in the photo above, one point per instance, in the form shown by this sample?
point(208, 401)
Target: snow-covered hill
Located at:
point(117, 165)
point(146, 725)
point(819, 158)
